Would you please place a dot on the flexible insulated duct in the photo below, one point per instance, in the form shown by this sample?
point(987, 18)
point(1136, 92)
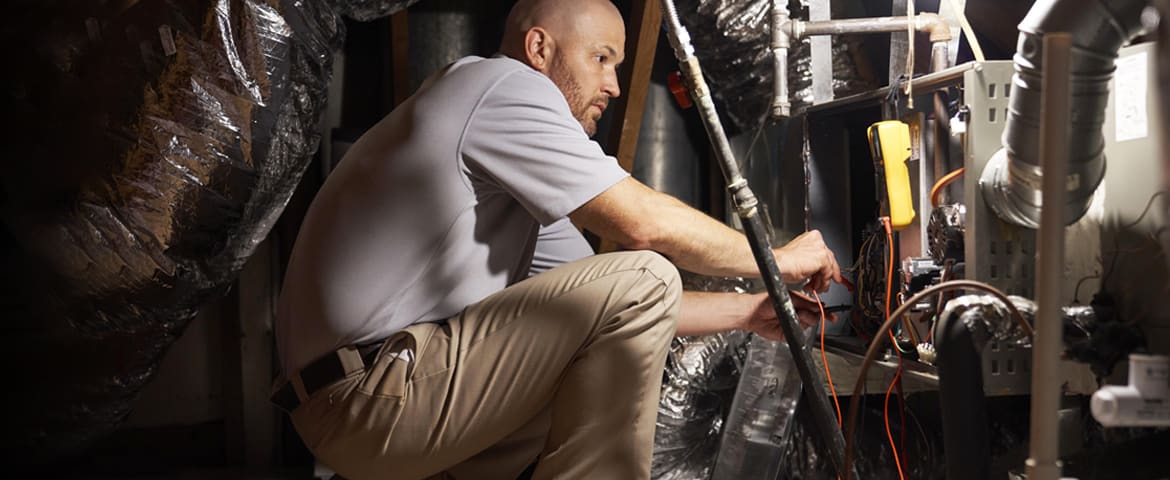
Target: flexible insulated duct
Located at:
point(1011, 180)
point(733, 37)
point(152, 145)
point(964, 329)
point(698, 386)
point(960, 389)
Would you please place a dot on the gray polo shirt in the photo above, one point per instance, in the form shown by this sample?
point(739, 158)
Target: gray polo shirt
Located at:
point(460, 192)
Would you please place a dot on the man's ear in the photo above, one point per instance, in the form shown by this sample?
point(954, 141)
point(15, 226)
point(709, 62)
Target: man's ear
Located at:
point(538, 48)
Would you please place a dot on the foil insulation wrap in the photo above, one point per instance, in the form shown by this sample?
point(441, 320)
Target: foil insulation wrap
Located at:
point(846, 79)
point(154, 144)
point(366, 10)
point(989, 319)
point(697, 390)
point(732, 39)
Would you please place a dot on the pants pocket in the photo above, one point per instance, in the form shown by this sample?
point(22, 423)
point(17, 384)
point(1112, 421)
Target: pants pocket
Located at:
point(390, 371)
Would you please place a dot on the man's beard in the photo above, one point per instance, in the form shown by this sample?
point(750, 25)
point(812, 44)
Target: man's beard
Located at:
point(564, 81)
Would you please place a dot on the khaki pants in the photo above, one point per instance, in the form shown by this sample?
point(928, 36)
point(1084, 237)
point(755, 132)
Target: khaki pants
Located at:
point(566, 365)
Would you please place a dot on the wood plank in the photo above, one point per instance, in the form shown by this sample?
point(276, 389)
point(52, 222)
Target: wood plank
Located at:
point(634, 79)
point(645, 23)
point(400, 55)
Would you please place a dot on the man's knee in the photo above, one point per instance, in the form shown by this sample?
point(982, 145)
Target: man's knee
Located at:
point(662, 270)
point(659, 267)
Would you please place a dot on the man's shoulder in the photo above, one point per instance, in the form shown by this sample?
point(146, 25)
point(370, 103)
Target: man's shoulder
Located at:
point(501, 75)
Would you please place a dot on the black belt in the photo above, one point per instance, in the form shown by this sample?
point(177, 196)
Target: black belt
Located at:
point(321, 373)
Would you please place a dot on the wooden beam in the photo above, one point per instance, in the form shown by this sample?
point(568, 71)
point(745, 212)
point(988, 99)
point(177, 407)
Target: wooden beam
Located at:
point(400, 55)
point(634, 79)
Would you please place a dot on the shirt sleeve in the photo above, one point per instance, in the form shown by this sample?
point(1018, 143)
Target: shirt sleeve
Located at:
point(558, 244)
point(523, 140)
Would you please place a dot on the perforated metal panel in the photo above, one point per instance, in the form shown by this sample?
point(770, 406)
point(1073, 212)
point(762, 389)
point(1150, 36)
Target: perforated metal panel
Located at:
point(997, 253)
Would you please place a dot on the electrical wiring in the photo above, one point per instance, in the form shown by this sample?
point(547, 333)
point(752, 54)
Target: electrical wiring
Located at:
point(902, 423)
point(890, 280)
point(908, 324)
point(857, 262)
point(942, 183)
point(945, 276)
point(876, 345)
point(871, 275)
point(1117, 236)
point(1077, 290)
point(897, 348)
point(886, 419)
point(825, 358)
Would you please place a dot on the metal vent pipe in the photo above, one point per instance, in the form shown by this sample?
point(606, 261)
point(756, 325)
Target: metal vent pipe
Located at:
point(1011, 180)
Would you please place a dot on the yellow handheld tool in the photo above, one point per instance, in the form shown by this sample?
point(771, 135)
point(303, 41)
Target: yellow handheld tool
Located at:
point(889, 142)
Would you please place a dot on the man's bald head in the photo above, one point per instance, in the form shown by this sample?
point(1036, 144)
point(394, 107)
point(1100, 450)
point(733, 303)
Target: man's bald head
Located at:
point(578, 44)
point(562, 18)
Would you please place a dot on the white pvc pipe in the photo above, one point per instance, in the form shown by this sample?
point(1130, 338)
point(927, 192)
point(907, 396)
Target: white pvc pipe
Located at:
point(1044, 453)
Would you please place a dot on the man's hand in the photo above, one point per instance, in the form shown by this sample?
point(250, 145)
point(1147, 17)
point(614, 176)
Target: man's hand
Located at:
point(807, 256)
point(762, 319)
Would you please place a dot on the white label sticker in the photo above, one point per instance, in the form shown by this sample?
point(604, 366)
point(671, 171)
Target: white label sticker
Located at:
point(1130, 87)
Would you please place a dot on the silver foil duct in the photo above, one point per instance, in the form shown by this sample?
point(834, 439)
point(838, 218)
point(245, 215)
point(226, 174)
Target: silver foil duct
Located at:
point(846, 80)
point(366, 10)
point(154, 145)
point(697, 390)
point(989, 319)
point(761, 413)
point(732, 39)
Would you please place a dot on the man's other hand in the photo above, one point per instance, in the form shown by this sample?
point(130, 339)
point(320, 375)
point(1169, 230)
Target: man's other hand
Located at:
point(807, 257)
point(763, 322)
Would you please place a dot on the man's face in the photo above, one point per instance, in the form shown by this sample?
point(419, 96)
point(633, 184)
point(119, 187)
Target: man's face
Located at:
point(585, 65)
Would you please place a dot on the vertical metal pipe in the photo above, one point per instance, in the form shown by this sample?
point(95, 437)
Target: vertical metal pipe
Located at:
point(780, 42)
point(1099, 28)
point(746, 207)
point(1044, 457)
point(939, 60)
point(441, 31)
point(821, 53)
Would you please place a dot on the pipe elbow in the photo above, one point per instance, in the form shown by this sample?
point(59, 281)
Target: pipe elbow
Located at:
point(933, 24)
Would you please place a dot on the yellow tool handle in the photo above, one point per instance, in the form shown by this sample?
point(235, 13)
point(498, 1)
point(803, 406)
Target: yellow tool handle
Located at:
point(890, 143)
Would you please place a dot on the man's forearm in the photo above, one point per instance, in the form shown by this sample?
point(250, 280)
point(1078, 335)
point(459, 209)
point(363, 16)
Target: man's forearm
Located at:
point(637, 217)
point(704, 313)
point(699, 243)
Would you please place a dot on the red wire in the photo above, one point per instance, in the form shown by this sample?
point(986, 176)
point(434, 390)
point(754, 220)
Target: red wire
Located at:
point(890, 279)
point(825, 359)
point(898, 373)
point(886, 417)
point(902, 423)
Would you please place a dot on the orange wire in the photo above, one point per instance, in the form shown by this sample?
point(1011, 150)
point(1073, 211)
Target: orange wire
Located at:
point(825, 359)
point(941, 184)
point(890, 275)
point(898, 373)
point(886, 417)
